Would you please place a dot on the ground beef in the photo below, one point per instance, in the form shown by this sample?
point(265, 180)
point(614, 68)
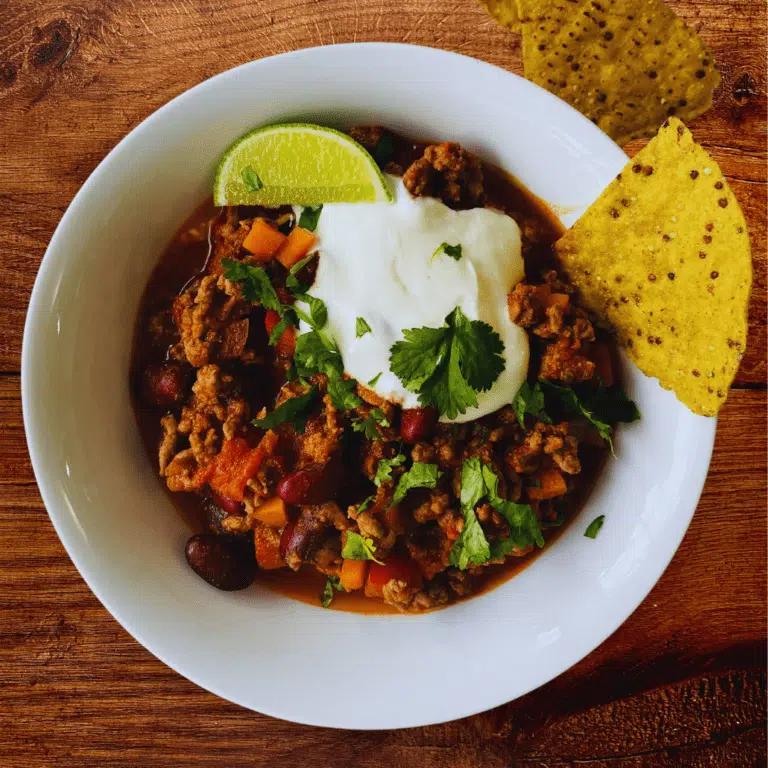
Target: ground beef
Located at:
point(449, 172)
point(565, 361)
point(546, 442)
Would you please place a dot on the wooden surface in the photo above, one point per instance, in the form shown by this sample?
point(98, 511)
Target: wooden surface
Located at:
point(681, 683)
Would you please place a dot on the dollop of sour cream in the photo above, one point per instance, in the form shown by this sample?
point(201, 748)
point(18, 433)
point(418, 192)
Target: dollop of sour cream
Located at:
point(376, 263)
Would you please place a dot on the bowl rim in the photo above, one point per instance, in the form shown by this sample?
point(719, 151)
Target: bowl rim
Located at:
point(35, 433)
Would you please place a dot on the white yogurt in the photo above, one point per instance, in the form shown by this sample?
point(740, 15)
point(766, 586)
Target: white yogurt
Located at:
point(376, 263)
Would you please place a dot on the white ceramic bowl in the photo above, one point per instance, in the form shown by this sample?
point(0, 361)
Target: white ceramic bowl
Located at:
point(258, 649)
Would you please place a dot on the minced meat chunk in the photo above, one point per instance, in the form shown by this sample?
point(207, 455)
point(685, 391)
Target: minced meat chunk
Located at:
point(449, 172)
point(564, 361)
point(546, 440)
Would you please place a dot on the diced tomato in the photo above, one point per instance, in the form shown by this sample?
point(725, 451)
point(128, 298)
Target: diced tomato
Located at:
point(237, 463)
point(394, 567)
point(286, 344)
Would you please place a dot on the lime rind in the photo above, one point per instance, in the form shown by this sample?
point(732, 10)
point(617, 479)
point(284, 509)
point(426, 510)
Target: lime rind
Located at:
point(299, 164)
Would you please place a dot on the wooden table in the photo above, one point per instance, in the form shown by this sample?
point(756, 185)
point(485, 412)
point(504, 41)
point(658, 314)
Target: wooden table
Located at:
point(681, 683)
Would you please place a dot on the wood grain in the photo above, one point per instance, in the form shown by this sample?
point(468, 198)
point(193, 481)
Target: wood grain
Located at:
point(682, 682)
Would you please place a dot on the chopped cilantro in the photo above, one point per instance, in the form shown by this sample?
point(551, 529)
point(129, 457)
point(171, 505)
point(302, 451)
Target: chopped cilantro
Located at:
point(343, 395)
point(316, 353)
point(332, 585)
point(384, 151)
point(256, 284)
point(478, 480)
point(358, 547)
point(603, 408)
point(293, 410)
point(384, 469)
point(448, 366)
point(361, 328)
point(318, 312)
point(418, 476)
point(292, 283)
point(309, 217)
point(366, 502)
point(594, 527)
point(369, 426)
point(251, 179)
point(530, 399)
point(375, 379)
point(454, 251)
point(285, 322)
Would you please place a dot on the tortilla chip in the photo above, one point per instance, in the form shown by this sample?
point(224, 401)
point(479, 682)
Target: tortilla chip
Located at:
point(663, 256)
point(625, 64)
point(504, 11)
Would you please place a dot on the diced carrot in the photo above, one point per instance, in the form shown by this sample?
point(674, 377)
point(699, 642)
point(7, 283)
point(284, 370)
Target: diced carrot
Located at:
point(286, 344)
point(267, 544)
point(601, 356)
point(558, 299)
point(237, 463)
point(272, 512)
point(296, 247)
point(264, 240)
point(552, 484)
point(353, 574)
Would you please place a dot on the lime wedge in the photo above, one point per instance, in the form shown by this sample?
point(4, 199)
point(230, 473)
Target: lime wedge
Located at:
point(297, 164)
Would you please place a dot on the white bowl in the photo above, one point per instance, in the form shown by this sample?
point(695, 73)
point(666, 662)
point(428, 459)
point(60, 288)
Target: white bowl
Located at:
point(255, 648)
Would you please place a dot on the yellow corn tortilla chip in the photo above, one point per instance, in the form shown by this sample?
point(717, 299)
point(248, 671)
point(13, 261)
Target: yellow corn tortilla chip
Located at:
point(663, 256)
point(625, 64)
point(504, 11)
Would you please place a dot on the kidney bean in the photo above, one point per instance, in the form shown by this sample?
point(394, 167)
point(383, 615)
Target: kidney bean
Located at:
point(218, 562)
point(299, 537)
point(165, 384)
point(230, 506)
point(314, 484)
point(417, 423)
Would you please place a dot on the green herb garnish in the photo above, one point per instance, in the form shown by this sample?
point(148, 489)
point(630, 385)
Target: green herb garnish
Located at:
point(256, 285)
point(361, 328)
point(343, 393)
point(369, 426)
point(309, 217)
point(384, 469)
point(454, 251)
point(294, 410)
point(292, 283)
point(318, 312)
point(251, 179)
point(316, 353)
point(594, 527)
point(358, 547)
point(448, 366)
point(384, 151)
point(332, 585)
point(375, 379)
point(603, 408)
point(418, 476)
point(530, 399)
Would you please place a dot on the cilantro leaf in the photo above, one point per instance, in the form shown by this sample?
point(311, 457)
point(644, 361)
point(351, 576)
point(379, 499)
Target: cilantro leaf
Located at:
point(357, 547)
point(294, 410)
point(418, 476)
point(364, 504)
point(375, 379)
point(369, 425)
point(332, 585)
point(251, 179)
point(603, 408)
point(530, 399)
point(448, 366)
point(524, 528)
point(309, 217)
point(384, 469)
point(285, 322)
point(314, 352)
point(292, 283)
point(256, 285)
point(384, 151)
point(361, 328)
point(471, 547)
point(318, 312)
point(454, 251)
point(343, 395)
point(594, 527)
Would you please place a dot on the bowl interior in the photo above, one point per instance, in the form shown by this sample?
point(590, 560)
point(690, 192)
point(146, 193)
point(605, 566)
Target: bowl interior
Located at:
point(255, 648)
